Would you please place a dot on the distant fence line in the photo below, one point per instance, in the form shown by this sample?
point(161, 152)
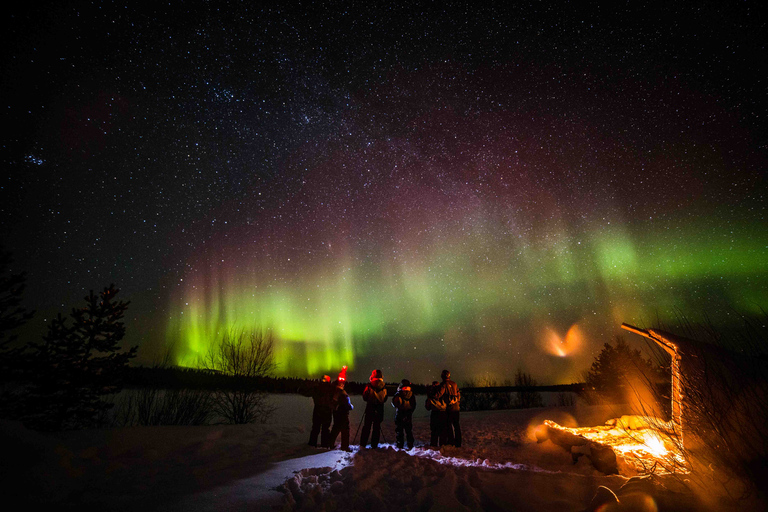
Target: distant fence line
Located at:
point(561, 388)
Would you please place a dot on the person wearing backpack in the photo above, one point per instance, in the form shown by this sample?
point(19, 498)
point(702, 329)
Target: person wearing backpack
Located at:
point(375, 394)
point(404, 403)
point(452, 398)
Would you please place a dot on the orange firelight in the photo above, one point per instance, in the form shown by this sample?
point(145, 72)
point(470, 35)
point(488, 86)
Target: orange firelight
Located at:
point(649, 444)
point(651, 449)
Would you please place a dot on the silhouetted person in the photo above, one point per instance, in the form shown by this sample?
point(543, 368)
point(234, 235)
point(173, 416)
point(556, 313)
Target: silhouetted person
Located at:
point(375, 394)
point(341, 405)
point(404, 403)
point(452, 399)
point(437, 416)
point(321, 413)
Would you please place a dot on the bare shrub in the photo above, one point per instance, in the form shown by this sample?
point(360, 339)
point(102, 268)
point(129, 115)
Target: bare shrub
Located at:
point(527, 397)
point(245, 356)
point(152, 406)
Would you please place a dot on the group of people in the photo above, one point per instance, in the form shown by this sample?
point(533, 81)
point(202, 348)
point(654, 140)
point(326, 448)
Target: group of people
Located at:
point(331, 402)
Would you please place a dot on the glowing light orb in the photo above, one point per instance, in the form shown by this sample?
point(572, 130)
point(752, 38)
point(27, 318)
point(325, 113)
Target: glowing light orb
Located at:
point(563, 346)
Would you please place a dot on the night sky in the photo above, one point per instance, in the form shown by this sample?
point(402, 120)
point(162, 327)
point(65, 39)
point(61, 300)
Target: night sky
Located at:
point(391, 186)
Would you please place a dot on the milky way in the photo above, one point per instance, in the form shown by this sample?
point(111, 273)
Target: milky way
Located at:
point(387, 187)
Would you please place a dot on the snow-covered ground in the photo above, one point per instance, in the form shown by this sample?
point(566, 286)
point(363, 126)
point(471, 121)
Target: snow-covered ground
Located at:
point(270, 467)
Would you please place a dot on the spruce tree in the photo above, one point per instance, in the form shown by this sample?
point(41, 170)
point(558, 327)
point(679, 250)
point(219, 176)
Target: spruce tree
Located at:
point(78, 364)
point(616, 371)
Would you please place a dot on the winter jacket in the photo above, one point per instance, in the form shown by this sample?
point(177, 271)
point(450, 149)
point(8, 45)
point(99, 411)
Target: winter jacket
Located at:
point(323, 395)
point(450, 395)
point(433, 402)
point(341, 405)
point(375, 393)
point(404, 403)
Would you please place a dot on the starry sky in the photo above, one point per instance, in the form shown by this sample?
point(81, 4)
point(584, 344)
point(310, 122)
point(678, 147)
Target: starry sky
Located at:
point(404, 186)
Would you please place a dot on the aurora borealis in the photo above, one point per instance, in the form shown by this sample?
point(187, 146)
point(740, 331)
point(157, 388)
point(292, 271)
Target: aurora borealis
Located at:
point(390, 187)
point(480, 261)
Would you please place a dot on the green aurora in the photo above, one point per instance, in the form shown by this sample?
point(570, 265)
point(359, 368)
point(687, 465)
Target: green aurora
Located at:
point(477, 301)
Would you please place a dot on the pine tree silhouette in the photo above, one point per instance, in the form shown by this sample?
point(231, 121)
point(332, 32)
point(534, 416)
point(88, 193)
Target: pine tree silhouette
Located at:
point(78, 364)
point(615, 369)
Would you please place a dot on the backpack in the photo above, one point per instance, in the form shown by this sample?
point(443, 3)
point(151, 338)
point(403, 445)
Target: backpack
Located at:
point(454, 395)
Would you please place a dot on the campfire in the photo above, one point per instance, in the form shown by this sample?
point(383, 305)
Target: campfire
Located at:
point(618, 448)
point(636, 444)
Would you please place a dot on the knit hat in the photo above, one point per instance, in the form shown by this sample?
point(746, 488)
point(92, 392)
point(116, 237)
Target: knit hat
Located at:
point(343, 374)
point(326, 378)
point(445, 375)
point(405, 384)
point(376, 374)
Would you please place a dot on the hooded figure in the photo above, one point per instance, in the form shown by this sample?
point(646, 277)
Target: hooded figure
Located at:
point(341, 405)
point(451, 397)
point(404, 403)
point(437, 416)
point(321, 413)
point(375, 394)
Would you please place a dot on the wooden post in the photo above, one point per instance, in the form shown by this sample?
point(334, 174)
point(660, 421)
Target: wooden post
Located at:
point(677, 386)
point(677, 393)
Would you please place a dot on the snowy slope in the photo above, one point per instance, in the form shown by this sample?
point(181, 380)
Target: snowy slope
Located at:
point(239, 467)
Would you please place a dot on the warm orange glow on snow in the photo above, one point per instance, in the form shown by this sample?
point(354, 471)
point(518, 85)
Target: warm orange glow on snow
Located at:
point(648, 450)
point(645, 443)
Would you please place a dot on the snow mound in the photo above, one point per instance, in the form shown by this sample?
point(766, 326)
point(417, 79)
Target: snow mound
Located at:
point(388, 479)
point(383, 479)
point(419, 479)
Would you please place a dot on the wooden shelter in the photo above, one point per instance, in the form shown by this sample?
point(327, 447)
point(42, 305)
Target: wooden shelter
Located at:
point(697, 367)
point(675, 346)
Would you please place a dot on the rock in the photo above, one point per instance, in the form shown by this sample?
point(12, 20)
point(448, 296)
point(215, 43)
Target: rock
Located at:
point(603, 458)
point(565, 439)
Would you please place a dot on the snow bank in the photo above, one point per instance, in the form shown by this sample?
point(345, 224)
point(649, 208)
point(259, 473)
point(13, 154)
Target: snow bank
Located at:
point(501, 467)
point(392, 479)
point(238, 467)
point(388, 479)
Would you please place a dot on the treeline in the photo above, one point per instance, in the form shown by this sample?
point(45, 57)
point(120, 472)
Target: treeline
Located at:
point(558, 388)
point(175, 377)
point(523, 392)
